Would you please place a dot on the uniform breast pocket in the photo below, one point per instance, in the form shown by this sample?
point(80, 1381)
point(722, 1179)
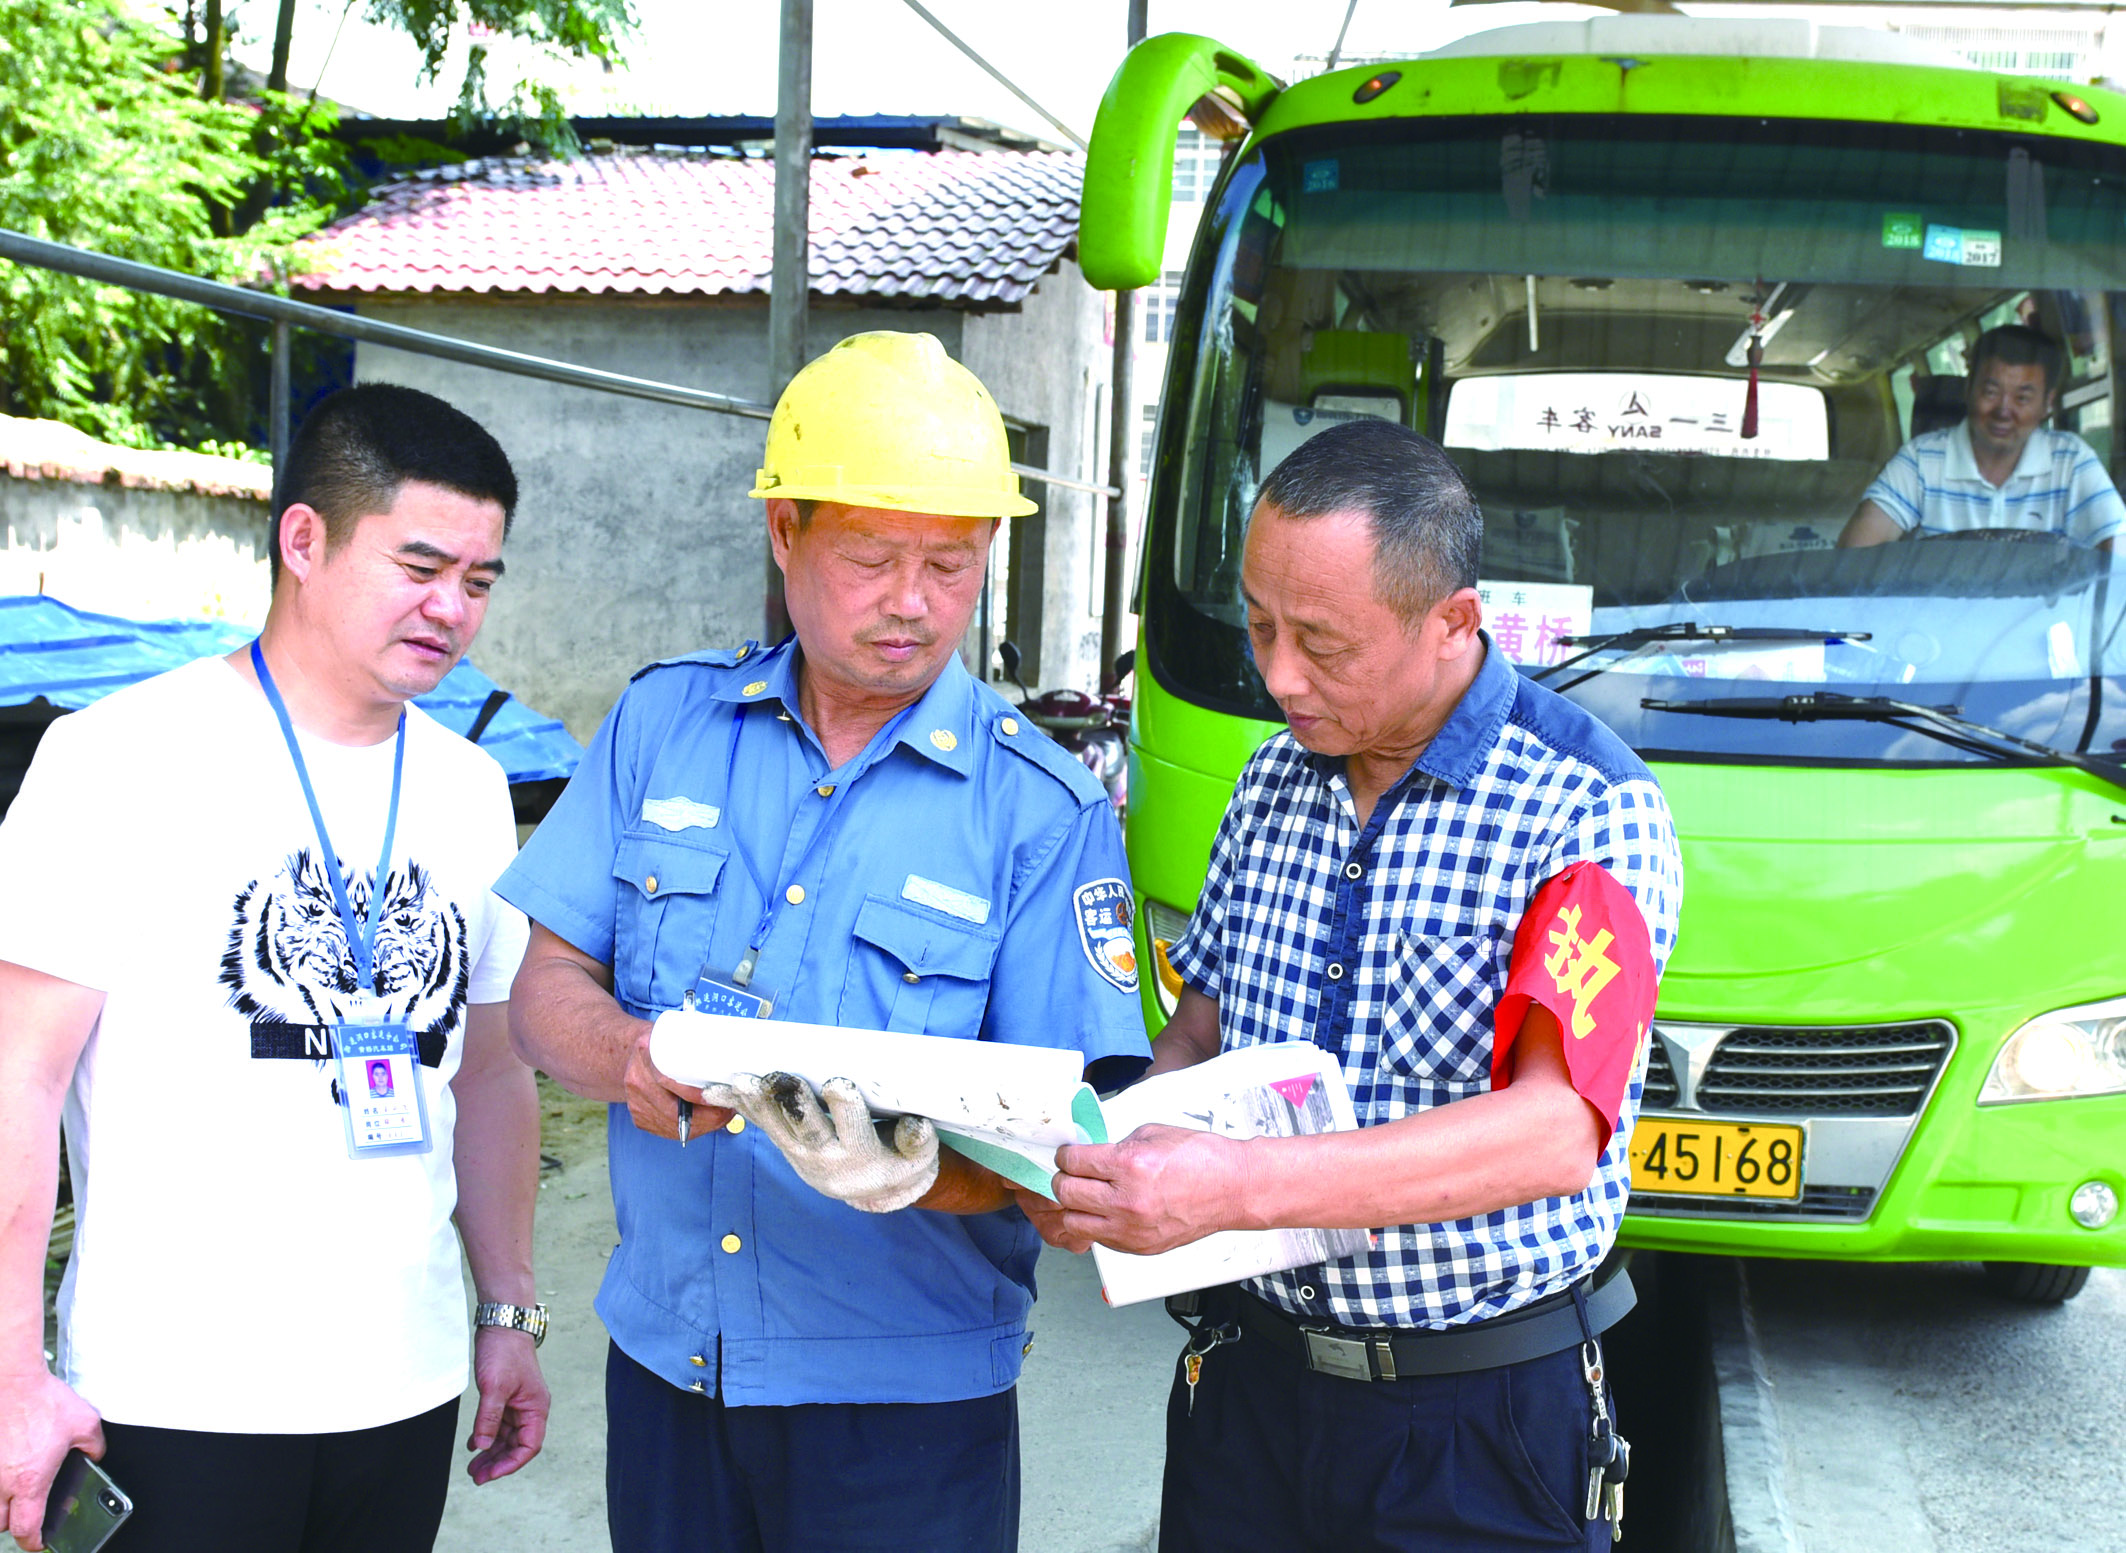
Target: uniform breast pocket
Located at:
point(917, 970)
point(1438, 1003)
point(664, 918)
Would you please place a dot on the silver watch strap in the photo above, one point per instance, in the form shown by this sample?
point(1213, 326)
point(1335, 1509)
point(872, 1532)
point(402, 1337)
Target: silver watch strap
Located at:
point(516, 1318)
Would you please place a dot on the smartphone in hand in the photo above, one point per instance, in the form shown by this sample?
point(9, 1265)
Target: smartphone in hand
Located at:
point(85, 1507)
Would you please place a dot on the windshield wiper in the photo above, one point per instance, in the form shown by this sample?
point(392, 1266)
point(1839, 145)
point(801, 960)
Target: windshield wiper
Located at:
point(1684, 631)
point(1940, 722)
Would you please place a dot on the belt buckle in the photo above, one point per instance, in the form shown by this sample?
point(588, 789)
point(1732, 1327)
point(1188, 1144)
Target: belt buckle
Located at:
point(1329, 1354)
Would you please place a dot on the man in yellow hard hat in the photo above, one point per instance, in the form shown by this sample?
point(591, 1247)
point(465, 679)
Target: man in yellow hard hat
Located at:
point(816, 1333)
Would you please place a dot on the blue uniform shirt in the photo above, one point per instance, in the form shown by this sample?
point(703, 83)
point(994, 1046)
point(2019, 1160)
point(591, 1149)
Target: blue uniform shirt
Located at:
point(930, 884)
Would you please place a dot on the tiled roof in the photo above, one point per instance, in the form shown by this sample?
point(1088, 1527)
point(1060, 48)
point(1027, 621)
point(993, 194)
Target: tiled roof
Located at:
point(971, 227)
point(48, 450)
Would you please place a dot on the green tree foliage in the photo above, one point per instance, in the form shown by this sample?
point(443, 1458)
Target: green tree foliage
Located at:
point(113, 137)
point(104, 145)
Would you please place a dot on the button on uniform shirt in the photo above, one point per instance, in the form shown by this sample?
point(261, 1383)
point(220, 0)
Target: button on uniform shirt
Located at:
point(1932, 486)
point(1388, 943)
point(930, 884)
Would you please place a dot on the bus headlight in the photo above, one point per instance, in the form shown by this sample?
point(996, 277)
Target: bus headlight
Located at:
point(2093, 1205)
point(1162, 926)
point(2068, 1052)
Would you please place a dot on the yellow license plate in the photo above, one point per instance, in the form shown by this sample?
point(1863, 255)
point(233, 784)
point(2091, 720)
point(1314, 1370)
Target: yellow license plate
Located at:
point(1687, 1156)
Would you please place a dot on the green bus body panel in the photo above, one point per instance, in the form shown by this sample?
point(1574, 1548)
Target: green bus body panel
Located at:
point(1726, 86)
point(1817, 896)
point(1129, 173)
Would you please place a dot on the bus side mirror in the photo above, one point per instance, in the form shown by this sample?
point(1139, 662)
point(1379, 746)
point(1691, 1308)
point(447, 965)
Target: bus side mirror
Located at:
point(1129, 172)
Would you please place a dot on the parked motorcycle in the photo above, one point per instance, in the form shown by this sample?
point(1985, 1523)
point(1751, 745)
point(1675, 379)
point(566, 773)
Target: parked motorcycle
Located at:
point(1094, 728)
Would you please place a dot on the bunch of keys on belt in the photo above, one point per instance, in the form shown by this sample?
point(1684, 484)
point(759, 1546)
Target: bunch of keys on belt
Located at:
point(1608, 1452)
point(1192, 1357)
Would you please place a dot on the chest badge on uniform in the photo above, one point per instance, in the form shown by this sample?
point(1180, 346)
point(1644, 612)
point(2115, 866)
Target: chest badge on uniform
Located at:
point(943, 739)
point(679, 814)
point(1103, 909)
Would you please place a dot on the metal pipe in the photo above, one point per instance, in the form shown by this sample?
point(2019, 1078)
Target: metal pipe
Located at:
point(1047, 478)
point(24, 249)
point(790, 280)
point(277, 401)
point(281, 311)
point(1122, 437)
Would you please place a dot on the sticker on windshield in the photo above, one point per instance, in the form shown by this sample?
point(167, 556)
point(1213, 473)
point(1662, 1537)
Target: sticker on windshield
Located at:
point(1903, 229)
point(1944, 244)
point(1320, 177)
point(1530, 620)
point(1963, 245)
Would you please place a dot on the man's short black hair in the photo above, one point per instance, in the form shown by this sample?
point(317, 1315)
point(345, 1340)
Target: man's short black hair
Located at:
point(1427, 529)
point(358, 446)
point(2016, 345)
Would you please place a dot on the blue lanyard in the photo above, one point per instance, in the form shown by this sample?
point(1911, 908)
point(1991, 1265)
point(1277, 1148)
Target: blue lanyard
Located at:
point(771, 903)
point(362, 943)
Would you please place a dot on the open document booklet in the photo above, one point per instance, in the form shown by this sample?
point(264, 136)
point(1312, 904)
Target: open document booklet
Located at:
point(1011, 1107)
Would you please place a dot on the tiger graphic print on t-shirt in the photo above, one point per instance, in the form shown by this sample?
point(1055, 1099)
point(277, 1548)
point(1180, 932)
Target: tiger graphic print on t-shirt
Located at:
point(289, 966)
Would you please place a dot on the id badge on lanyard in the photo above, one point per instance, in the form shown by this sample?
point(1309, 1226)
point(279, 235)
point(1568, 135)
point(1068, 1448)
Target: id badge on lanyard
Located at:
point(383, 1105)
point(383, 1109)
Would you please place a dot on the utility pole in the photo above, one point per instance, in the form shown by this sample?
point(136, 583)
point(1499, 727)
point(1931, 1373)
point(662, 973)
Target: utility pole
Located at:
point(790, 282)
point(1122, 437)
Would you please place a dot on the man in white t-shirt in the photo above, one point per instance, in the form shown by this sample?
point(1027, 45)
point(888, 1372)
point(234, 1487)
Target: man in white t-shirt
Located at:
point(250, 955)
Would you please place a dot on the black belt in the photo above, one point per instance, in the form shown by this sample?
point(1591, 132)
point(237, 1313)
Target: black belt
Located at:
point(1548, 1326)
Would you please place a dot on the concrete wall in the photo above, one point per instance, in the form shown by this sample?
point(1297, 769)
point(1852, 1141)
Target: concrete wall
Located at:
point(634, 537)
point(119, 550)
point(1044, 364)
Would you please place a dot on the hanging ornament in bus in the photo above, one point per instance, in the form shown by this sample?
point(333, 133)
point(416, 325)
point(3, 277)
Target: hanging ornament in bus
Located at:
point(1756, 360)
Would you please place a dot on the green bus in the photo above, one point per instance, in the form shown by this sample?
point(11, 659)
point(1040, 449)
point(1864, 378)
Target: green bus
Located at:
point(1672, 292)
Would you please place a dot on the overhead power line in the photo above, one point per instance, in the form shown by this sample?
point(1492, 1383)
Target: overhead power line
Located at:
point(1343, 32)
point(996, 75)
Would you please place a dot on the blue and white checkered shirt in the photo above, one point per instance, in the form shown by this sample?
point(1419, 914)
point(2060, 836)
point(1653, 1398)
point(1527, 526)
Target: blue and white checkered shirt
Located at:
point(1932, 486)
point(1389, 944)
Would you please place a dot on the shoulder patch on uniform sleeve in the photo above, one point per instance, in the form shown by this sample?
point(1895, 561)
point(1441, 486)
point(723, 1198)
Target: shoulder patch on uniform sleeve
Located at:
point(1103, 909)
point(708, 658)
point(1030, 743)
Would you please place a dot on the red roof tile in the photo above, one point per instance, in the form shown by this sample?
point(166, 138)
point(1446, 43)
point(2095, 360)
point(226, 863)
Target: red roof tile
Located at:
point(965, 226)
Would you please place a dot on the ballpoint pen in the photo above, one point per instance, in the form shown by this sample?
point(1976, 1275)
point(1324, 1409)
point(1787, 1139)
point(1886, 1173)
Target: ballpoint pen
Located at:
point(686, 1121)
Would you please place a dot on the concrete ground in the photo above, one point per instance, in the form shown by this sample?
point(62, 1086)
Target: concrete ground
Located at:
point(1913, 1409)
point(1091, 1402)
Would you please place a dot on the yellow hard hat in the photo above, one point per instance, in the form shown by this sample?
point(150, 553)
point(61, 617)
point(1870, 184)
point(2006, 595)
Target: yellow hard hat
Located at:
point(889, 420)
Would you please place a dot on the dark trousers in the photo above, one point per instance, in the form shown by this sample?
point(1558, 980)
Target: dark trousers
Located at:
point(686, 1474)
point(1280, 1459)
point(356, 1492)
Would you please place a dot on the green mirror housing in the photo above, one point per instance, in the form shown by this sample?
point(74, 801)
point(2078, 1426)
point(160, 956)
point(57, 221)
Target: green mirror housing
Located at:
point(1129, 173)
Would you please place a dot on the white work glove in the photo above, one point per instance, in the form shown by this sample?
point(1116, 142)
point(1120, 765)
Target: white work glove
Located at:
point(832, 1141)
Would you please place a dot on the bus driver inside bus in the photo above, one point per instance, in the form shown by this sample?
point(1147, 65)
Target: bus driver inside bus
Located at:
point(2000, 467)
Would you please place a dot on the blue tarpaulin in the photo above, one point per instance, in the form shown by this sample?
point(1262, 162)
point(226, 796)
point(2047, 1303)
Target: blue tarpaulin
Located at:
point(71, 657)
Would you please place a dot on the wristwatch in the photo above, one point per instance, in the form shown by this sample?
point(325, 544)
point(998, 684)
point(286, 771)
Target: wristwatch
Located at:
point(516, 1318)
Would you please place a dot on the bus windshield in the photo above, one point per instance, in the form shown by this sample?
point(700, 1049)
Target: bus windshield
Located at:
point(1674, 359)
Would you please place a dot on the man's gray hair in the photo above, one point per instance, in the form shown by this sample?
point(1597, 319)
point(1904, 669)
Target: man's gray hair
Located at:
point(1428, 532)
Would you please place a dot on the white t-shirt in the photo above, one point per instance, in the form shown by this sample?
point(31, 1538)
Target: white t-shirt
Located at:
point(233, 1269)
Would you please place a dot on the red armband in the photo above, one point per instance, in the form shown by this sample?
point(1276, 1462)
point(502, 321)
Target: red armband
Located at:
point(1583, 952)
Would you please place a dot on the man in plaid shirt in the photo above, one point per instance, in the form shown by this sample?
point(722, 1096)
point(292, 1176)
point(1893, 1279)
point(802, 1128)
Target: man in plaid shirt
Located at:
point(1465, 887)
